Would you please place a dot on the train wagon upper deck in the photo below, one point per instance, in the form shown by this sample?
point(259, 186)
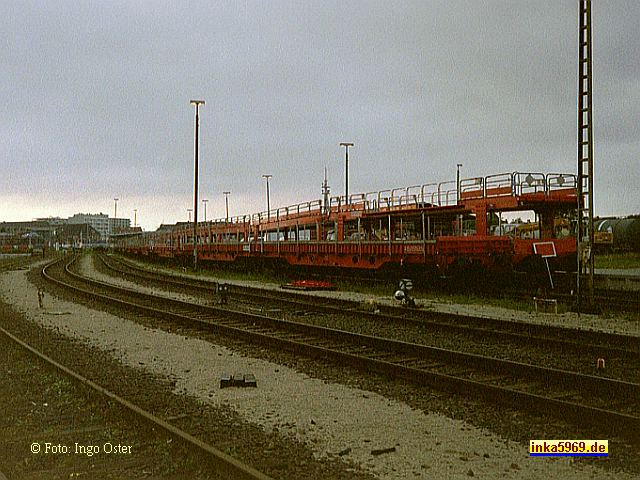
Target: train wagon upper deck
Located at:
point(437, 225)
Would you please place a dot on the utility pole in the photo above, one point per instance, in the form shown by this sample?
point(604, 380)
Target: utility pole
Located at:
point(226, 203)
point(585, 158)
point(346, 146)
point(197, 104)
point(115, 214)
point(267, 177)
point(458, 165)
point(204, 202)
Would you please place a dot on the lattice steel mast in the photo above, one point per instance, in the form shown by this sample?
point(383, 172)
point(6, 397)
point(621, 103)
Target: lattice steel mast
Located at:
point(585, 158)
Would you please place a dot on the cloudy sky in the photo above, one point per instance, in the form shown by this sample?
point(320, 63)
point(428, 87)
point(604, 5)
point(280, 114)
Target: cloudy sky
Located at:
point(95, 100)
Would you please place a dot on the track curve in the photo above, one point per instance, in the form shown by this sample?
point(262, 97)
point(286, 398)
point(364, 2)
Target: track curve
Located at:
point(584, 398)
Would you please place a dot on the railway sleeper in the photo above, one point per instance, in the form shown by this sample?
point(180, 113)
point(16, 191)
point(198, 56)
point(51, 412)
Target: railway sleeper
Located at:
point(73, 433)
point(495, 379)
point(380, 355)
point(91, 469)
point(459, 372)
point(324, 343)
point(232, 323)
point(567, 396)
point(401, 360)
point(348, 348)
point(422, 364)
point(297, 337)
point(262, 330)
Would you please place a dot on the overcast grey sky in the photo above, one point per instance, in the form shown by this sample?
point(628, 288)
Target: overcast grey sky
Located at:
point(96, 100)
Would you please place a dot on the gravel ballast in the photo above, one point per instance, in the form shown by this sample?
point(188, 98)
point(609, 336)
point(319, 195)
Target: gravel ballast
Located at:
point(334, 420)
point(612, 323)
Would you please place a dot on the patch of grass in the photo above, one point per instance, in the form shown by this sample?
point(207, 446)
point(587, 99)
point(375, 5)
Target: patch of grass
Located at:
point(217, 274)
point(368, 288)
point(470, 299)
point(234, 275)
point(362, 286)
point(618, 260)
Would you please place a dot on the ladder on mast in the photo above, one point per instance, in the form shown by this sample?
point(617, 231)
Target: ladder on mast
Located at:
point(585, 159)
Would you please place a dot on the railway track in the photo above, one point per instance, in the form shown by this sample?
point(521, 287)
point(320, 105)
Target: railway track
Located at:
point(586, 399)
point(604, 299)
point(70, 427)
point(15, 263)
point(595, 344)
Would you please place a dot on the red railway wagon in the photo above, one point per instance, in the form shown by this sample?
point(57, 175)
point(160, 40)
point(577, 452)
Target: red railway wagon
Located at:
point(439, 227)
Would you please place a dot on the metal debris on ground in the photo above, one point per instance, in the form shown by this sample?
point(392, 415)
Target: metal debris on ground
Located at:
point(238, 380)
point(309, 285)
point(383, 450)
point(344, 452)
point(225, 380)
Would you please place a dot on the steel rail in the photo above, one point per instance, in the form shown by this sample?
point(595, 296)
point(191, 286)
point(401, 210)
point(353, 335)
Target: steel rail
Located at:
point(227, 465)
point(15, 263)
point(600, 343)
point(491, 364)
point(494, 364)
point(254, 330)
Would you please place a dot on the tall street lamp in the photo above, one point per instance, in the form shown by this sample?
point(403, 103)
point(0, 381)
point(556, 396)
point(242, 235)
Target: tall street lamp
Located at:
point(204, 202)
point(346, 146)
point(196, 103)
point(226, 202)
point(189, 210)
point(458, 165)
point(267, 177)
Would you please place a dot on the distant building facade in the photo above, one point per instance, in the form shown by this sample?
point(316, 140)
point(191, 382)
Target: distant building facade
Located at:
point(119, 225)
point(77, 235)
point(98, 221)
point(80, 229)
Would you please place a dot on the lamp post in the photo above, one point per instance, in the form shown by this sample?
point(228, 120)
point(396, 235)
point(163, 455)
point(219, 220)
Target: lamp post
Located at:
point(458, 165)
point(226, 202)
point(115, 215)
point(196, 103)
point(267, 177)
point(204, 202)
point(189, 210)
point(346, 146)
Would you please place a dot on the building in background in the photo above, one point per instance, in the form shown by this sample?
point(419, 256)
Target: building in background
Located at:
point(76, 235)
point(22, 237)
point(98, 221)
point(119, 225)
point(80, 230)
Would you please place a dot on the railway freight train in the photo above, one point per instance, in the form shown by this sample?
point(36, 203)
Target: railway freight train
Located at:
point(617, 234)
point(430, 230)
